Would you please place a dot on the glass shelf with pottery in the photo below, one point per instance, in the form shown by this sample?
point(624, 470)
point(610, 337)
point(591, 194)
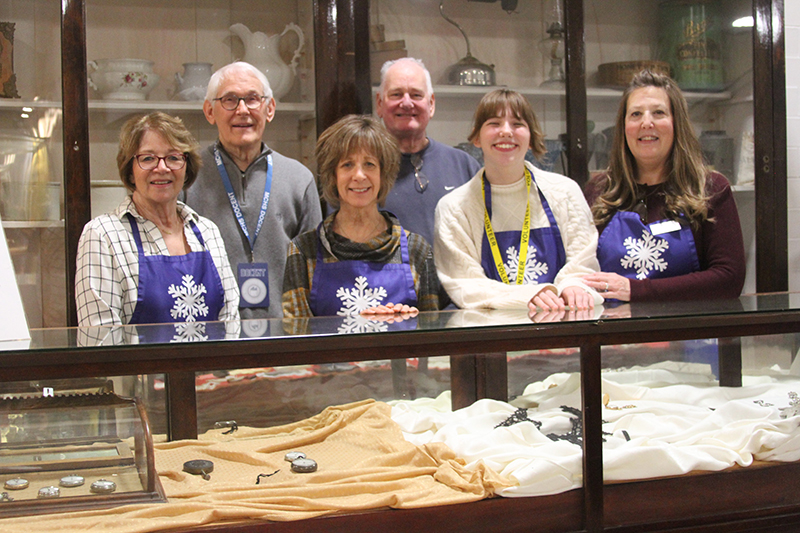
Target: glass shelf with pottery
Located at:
point(592, 93)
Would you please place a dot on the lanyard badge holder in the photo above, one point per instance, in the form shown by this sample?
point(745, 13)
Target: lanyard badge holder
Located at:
point(253, 277)
point(525, 234)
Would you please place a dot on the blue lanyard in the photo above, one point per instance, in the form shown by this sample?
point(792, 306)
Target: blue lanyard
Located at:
point(237, 210)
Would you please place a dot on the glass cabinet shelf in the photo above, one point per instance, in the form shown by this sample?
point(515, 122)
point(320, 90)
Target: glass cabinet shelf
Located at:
point(154, 105)
point(144, 105)
point(16, 224)
point(37, 104)
point(592, 93)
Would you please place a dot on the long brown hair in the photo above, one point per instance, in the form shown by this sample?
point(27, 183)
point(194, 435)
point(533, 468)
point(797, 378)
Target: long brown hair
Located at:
point(685, 186)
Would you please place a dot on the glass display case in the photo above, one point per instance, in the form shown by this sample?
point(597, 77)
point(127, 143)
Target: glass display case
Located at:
point(480, 355)
point(624, 406)
point(75, 451)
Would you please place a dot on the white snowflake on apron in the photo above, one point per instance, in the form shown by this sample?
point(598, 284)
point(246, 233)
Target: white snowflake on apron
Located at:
point(359, 298)
point(645, 254)
point(533, 268)
point(190, 332)
point(189, 300)
point(361, 324)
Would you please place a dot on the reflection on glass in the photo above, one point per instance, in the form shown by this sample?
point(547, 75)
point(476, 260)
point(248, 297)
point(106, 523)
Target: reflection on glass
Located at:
point(61, 338)
point(157, 333)
point(65, 455)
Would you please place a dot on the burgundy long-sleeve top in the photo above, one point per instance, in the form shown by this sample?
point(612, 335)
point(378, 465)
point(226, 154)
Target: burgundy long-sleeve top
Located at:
point(719, 243)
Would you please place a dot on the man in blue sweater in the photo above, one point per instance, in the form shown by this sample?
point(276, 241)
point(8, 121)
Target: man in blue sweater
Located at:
point(428, 169)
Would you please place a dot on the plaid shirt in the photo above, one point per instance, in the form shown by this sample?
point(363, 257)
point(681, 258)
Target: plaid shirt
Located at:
point(107, 277)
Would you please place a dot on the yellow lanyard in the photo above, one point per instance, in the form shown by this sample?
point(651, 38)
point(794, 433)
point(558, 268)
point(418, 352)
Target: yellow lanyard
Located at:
point(524, 237)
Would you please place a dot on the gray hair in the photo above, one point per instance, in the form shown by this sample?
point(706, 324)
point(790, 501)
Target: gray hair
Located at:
point(229, 71)
point(389, 64)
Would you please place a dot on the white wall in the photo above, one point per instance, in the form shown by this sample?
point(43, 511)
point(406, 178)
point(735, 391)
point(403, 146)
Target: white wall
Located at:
point(792, 21)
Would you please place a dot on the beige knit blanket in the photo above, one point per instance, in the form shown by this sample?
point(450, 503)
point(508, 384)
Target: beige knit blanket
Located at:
point(364, 463)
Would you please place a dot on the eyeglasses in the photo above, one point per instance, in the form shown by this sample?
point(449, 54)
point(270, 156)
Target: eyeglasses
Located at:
point(150, 161)
point(230, 102)
point(422, 180)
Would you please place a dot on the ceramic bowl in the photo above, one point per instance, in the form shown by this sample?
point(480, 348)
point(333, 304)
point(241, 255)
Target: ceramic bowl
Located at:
point(123, 79)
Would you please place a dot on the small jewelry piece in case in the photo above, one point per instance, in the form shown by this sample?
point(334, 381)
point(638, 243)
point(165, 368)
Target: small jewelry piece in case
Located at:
point(230, 424)
point(294, 456)
point(103, 486)
point(303, 465)
point(49, 492)
point(199, 467)
point(71, 481)
point(16, 483)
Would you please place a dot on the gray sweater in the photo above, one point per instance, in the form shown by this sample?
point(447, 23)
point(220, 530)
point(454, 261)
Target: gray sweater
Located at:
point(294, 208)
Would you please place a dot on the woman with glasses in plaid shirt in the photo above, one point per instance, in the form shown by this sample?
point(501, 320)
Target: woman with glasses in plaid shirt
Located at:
point(153, 259)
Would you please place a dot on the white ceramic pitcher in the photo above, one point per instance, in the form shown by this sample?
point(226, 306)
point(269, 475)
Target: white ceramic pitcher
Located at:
point(194, 81)
point(261, 50)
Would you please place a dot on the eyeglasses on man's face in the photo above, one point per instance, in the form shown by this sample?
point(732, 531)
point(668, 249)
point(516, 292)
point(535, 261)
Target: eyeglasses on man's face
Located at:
point(150, 161)
point(422, 181)
point(230, 102)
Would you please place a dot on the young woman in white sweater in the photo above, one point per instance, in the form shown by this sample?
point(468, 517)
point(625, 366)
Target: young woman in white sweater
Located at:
point(479, 238)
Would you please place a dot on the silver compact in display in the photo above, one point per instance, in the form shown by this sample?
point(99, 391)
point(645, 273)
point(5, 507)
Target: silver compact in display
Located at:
point(71, 481)
point(304, 465)
point(103, 486)
point(49, 492)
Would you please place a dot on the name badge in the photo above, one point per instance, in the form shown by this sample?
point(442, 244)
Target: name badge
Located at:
point(253, 285)
point(659, 228)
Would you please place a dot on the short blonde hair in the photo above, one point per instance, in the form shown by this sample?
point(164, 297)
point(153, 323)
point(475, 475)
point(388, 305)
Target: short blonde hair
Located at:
point(174, 132)
point(349, 135)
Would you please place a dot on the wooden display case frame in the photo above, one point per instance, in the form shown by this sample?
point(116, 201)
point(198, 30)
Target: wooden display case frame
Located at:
point(761, 498)
point(132, 469)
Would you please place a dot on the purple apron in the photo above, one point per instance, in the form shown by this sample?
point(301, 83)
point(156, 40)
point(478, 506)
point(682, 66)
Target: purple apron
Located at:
point(348, 287)
point(181, 288)
point(546, 253)
point(628, 247)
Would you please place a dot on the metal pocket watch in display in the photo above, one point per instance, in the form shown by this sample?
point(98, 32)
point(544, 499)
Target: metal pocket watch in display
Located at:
point(103, 486)
point(16, 483)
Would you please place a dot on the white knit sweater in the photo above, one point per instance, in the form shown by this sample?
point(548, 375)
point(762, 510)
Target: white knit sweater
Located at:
point(459, 231)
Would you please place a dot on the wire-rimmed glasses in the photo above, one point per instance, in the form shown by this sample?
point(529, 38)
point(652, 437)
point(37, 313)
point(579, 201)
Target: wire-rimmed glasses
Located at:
point(150, 161)
point(230, 102)
point(422, 180)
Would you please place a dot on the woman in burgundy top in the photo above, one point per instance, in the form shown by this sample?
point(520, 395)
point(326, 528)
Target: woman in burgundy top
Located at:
point(669, 228)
